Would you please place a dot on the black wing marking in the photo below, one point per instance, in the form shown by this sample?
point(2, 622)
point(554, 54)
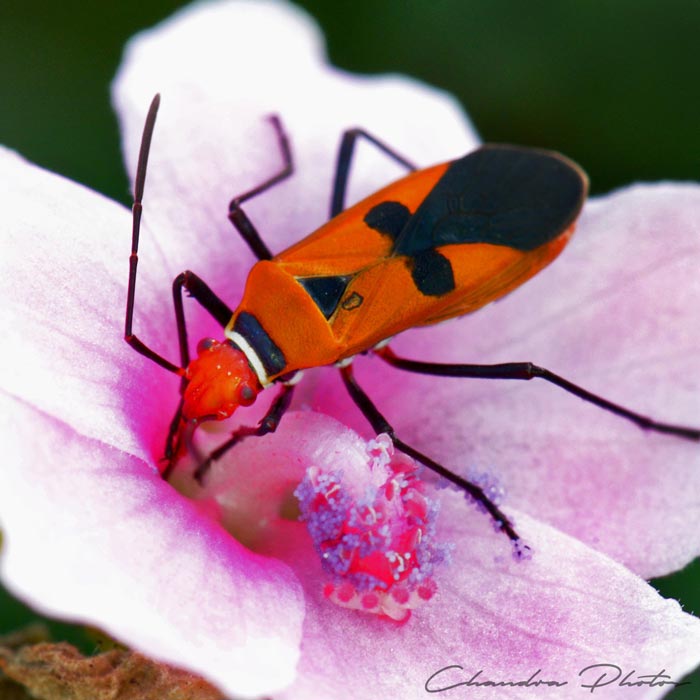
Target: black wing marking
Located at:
point(389, 218)
point(502, 195)
point(432, 273)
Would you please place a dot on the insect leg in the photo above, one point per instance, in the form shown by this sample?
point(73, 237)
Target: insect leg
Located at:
point(199, 290)
point(268, 424)
point(239, 218)
point(173, 441)
point(380, 424)
point(344, 161)
point(526, 370)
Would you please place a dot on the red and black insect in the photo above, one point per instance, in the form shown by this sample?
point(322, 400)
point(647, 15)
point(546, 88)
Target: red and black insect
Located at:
point(438, 243)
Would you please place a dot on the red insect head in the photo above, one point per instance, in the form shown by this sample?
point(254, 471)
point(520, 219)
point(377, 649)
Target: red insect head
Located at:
point(219, 380)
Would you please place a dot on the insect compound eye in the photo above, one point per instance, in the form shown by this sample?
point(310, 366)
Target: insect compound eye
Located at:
point(206, 344)
point(246, 395)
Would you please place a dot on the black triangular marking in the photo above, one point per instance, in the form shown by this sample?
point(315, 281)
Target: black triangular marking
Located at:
point(432, 273)
point(325, 291)
point(388, 218)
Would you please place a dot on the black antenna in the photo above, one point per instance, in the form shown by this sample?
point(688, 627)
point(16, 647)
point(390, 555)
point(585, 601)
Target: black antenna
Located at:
point(136, 210)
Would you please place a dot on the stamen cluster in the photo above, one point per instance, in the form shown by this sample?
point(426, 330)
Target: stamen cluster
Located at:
point(375, 533)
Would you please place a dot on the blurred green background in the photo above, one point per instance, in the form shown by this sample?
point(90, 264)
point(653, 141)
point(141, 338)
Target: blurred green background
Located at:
point(613, 85)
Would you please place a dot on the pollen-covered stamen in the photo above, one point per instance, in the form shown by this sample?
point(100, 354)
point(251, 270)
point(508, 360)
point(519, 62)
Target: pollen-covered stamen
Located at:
point(375, 538)
point(491, 487)
point(522, 551)
point(218, 381)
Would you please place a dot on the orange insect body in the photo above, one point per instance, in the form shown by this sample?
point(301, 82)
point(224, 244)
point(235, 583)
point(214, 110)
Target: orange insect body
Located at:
point(348, 286)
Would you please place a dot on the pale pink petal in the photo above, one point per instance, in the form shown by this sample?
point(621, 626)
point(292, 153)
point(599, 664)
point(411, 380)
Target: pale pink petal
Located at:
point(91, 534)
point(618, 313)
point(566, 609)
point(254, 483)
point(63, 274)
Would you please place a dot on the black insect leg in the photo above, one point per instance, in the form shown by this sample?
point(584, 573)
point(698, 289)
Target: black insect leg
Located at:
point(526, 370)
point(199, 290)
point(239, 218)
point(173, 441)
point(381, 425)
point(344, 161)
point(268, 424)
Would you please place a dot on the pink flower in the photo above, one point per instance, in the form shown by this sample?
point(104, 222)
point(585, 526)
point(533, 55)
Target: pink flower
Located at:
point(91, 532)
